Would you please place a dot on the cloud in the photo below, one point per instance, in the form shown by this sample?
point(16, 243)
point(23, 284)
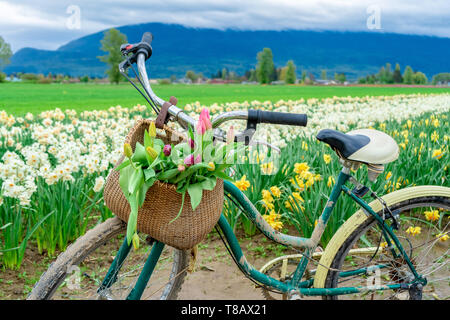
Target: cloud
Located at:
point(44, 25)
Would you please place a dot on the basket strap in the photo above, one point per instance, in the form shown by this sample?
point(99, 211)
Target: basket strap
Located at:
point(162, 118)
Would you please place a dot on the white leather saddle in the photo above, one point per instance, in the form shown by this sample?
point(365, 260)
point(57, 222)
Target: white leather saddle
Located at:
point(363, 145)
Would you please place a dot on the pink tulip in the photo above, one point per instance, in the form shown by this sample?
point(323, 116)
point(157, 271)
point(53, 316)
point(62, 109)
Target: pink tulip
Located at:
point(204, 121)
point(189, 160)
point(201, 127)
point(230, 135)
point(198, 159)
point(167, 150)
point(191, 143)
point(206, 118)
point(181, 168)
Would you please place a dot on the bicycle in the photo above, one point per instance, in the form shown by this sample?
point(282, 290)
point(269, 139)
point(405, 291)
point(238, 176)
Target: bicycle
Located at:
point(370, 256)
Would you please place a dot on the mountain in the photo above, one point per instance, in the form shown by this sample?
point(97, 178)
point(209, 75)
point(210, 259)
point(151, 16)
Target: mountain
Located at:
point(177, 49)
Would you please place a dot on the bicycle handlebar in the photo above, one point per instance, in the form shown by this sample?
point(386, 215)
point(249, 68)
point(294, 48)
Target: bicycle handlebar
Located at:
point(284, 118)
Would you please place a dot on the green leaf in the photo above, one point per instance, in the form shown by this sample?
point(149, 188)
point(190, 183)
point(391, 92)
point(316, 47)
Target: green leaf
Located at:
point(159, 143)
point(191, 133)
point(209, 183)
point(124, 179)
point(147, 139)
point(222, 175)
point(196, 193)
point(143, 190)
point(123, 165)
point(137, 177)
point(155, 163)
point(149, 173)
point(139, 154)
point(169, 174)
point(181, 208)
point(132, 219)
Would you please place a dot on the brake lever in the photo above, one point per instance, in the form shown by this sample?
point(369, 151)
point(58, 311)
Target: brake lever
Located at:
point(221, 135)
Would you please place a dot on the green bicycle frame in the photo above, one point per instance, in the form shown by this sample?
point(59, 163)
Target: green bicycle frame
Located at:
point(309, 244)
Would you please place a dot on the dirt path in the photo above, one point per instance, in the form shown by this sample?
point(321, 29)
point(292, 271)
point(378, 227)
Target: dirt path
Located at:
point(216, 275)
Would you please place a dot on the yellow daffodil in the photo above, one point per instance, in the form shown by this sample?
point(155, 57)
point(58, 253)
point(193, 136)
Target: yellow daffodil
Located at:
point(414, 230)
point(331, 181)
point(327, 158)
point(388, 175)
point(432, 215)
point(442, 237)
point(437, 154)
point(301, 167)
point(267, 196)
point(273, 219)
point(275, 191)
point(242, 184)
point(434, 136)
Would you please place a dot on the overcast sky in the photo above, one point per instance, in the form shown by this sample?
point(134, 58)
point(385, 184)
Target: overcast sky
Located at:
point(48, 24)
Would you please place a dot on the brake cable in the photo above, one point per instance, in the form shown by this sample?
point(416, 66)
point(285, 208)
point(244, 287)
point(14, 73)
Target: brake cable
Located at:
point(150, 102)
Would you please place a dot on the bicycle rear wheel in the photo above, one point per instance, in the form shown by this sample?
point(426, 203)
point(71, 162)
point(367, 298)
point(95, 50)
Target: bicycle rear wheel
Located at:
point(423, 233)
point(77, 273)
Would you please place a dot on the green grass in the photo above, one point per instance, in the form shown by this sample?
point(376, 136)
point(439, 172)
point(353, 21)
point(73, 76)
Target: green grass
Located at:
point(20, 98)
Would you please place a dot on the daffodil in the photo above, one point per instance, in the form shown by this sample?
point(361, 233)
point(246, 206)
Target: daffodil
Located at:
point(301, 167)
point(437, 154)
point(267, 196)
point(434, 136)
point(273, 219)
point(331, 181)
point(242, 184)
point(414, 230)
point(275, 191)
point(432, 215)
point(327, 158)
point(442, 237)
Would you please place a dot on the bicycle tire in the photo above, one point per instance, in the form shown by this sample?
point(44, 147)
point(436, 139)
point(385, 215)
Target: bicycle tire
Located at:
point(360, 222)
point(84, 246)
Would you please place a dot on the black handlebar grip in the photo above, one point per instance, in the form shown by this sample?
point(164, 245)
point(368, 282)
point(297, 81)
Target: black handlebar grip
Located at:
point(283, 118)
point(147, 38)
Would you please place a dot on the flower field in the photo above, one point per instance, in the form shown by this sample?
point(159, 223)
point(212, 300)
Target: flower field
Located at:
point(53, 166)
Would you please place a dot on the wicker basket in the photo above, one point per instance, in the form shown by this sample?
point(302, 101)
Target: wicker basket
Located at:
point(162, 202)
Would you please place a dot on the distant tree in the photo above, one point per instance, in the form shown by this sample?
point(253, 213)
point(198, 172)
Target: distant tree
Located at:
point(408, 75)
point(84, 79)
point(340, 77)
point(111, 43)
point(441, 78)
point(290, 72)
point(173, 78)
point(5, 53)
point(191, 75)
point(2, 77)
point(253, 76)
point(397, 76)
point(371, 79)
point(29, 77)
point(420, 78)
point(323, 74)
point(224, 74)
point(303, 76)
point(265, 66)
point(273, 75)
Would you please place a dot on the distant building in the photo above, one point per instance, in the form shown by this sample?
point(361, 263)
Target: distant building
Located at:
point(13, 79)
point(183, 81)
point(325, 82)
